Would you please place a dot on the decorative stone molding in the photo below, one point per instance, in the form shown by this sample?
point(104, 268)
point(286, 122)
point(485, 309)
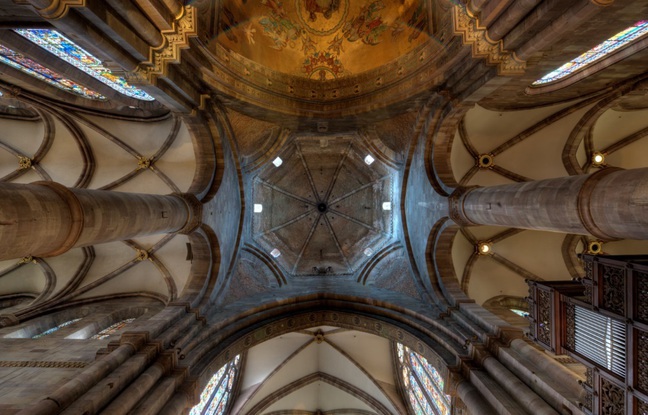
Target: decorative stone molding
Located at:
point(8, 320)
point(47, 364)
point(175, 40)
point(455, 206)
point(482, 46)
point(194, 219)
point(583, 202)
point(58, 8)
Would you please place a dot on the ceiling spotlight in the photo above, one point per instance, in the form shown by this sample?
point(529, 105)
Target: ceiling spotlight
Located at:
point(386, 205)
point(598, 159)
point(258, 208)
point(368, 251)
point(484, 248)
point(277, 162)
point(275, 253)
point(368, 159)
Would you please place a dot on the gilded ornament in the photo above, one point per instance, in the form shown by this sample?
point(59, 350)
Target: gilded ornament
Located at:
point(482, 46)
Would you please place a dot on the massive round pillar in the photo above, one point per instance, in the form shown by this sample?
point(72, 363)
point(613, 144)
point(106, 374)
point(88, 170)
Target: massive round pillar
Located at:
point(46, 219)
point(608, 204)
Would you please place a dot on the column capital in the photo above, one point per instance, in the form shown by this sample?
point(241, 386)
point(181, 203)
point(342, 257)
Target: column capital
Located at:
point(76, 211)
point(584, 203)
point(455, 206)
point(194, 207)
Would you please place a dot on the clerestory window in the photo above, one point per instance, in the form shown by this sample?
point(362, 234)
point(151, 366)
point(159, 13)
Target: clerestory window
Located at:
point(423, 384)
point(24, 64)
point(59, 45)
point(110, 330)
point(597, 53)
point(215, 398)
point(53, 329)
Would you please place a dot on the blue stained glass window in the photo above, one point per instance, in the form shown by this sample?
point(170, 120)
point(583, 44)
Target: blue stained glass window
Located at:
point(109, 331)
point(216, 395)
point(599, 51)
point(520, 313)
point(30, 67)
point(54, 42)
point(53, 329)
point(423, 383)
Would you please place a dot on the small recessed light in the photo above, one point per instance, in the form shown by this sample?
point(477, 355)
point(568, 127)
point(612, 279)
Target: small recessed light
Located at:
point(277, 162)
point(386, 205)
point(275, 253)
point(258, 208)
point(368, 251)
point(598, 159)
point(484, 248)
point(368, 159)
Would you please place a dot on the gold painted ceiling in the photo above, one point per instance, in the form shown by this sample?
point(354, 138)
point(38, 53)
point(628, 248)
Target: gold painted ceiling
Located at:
point(321, 39)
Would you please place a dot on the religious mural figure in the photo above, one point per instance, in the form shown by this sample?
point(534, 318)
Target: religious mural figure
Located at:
point(367, 26)
point(324, 7)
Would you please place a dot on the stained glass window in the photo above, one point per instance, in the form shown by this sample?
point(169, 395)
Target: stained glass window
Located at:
point(109, 331)
point(617, 41)
point(216, 395)
point(53, 329)
point(423, 384)
point(520, 313)
point(28, 66)
point(54, 42)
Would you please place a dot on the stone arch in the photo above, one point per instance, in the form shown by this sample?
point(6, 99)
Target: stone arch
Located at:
point(426, 335)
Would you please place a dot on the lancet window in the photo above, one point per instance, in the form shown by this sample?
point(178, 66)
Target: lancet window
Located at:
point(215, 398)
point(597, 53)
point(53, 329)
point(59, 45)
point(423, 384)
point(109, 331)
point(24, 64)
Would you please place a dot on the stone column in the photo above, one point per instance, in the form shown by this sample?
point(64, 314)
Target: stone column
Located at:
point(608, 204)
point(46, 219)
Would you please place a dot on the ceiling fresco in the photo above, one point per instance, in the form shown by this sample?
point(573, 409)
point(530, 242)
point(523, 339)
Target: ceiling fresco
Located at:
point(323, 210)
point(322, 39)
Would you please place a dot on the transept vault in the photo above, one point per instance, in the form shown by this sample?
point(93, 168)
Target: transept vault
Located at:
point(308, 207)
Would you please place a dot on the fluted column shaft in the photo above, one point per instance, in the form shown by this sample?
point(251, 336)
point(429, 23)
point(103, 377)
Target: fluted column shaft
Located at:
point(46, 219)
point(608, 204)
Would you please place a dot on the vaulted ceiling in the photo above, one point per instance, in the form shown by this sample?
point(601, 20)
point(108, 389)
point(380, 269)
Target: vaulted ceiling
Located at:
point(318, 85)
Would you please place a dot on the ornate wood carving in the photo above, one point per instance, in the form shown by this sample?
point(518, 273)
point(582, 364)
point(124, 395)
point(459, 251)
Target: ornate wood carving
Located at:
point(642, 361)
point(642, 296)
point(570, 329)
point(612, 399)
point(544, 317)
point(642, 407)
point(613, 298)
point(589, 374)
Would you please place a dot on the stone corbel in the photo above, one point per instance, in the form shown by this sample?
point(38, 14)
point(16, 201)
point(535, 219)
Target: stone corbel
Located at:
point(482, 46)
point(57, 8)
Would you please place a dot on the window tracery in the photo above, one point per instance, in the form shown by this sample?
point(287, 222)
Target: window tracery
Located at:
point(59, 45)
point(423, 383)
point(24, 64)
point(112, 329)
point(53, 329)
point(215, 398)
point(598, 52)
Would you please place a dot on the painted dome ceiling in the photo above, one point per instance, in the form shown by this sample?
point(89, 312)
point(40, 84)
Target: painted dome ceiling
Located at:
point(321, 39)
point(325, 210)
